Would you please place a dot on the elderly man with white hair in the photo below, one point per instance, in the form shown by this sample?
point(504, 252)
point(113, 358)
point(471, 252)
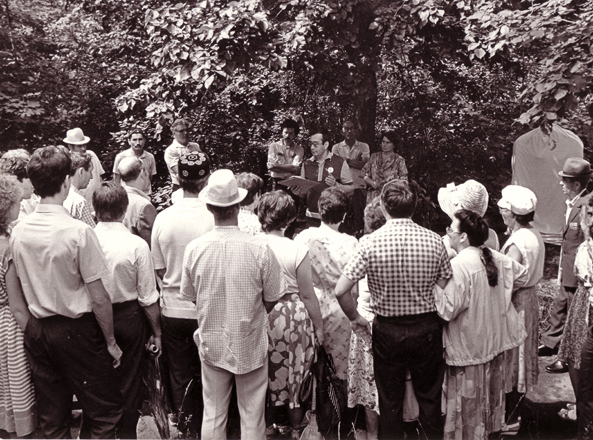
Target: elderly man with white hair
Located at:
point(470, 195)
point(141, 212)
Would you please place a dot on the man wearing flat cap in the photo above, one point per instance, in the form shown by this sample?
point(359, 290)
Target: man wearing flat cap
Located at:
point(174, 228)
point(575, 175)
point(234, 280)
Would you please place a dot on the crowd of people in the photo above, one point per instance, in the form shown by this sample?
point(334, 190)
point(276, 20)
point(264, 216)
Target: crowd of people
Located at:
point(438, 330)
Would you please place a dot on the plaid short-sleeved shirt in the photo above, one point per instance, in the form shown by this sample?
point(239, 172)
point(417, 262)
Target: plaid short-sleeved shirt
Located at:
point(229, 273)
point(402, 262)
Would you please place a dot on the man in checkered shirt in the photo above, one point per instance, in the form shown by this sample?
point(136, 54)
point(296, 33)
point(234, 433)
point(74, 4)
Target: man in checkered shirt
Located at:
point(235, 280)
point(402, 261)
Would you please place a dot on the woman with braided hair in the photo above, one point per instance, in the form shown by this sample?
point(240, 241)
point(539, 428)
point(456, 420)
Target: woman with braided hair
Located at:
point(483, 324)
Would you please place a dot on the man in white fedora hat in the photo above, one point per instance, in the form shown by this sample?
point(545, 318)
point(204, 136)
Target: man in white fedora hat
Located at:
point(234, 279)
point(76, 141)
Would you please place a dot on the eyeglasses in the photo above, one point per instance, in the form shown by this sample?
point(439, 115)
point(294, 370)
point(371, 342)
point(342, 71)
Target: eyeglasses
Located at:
point(451, 231)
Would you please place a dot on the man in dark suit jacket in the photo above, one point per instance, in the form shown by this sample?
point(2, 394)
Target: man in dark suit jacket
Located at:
point(575, 174)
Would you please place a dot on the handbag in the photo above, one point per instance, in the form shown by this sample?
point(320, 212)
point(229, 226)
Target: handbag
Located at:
point(331, 401)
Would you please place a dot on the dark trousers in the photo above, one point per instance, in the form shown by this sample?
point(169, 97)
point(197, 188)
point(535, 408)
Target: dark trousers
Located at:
point(131, 334)
point(553, 334)
point(184, 365)
point(415, 343)
point(69, 356)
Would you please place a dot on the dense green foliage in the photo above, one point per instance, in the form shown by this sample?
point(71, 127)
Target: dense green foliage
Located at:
point(459, 80)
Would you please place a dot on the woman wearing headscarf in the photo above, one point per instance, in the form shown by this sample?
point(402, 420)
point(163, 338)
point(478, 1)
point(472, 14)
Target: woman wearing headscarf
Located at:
point(525, 245)
point(482, 325)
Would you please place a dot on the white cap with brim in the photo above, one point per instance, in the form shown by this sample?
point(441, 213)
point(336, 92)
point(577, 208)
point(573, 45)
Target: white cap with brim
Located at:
point(518, 199)
point(222, 190)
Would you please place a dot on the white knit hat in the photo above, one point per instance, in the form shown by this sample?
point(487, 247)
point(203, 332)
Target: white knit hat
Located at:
point(470, 195)
point(518, 199)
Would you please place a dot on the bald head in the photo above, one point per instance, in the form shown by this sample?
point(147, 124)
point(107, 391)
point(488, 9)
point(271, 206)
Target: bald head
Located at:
point(129, 169)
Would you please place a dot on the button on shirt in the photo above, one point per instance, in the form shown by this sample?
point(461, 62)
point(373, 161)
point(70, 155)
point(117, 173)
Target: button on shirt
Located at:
point(278, 153)
point(131, 272)
point(229, 273)
point(402, 261)
point(55, 256)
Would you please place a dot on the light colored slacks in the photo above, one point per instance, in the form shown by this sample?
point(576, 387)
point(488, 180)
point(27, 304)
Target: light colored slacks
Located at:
point(251, 399)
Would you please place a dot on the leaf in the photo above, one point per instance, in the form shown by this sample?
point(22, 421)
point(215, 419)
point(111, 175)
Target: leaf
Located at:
point(560, 93)
point(209, 81)
point(480, 53)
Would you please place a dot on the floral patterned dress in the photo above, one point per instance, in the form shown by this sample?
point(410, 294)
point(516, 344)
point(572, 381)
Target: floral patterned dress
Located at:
point(382, 170)
point(291, 343)
point(330, 251)
point(578, 319)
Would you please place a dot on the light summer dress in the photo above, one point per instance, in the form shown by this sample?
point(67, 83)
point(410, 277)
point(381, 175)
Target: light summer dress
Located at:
point(330, 251)
point(17, 397)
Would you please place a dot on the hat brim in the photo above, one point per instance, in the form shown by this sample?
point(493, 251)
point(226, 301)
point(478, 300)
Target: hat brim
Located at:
point(86, 141)
point(446, 203)
point(574, 176)
point(241, 194)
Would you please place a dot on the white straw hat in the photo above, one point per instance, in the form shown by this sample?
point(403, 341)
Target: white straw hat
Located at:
point(222, 189)
point(470, 195)
point(76, 137)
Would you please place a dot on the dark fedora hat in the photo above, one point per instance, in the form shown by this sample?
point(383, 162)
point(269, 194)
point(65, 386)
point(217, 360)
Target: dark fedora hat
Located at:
point(575, 167)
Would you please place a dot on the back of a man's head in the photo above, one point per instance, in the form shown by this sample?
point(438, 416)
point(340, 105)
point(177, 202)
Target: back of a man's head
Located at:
point(110, 202)
point(130, 168)
point(14, 162)
point(398, 199)
point(47, 169)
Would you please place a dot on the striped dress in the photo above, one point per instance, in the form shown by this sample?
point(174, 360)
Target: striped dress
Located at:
point(17, 398)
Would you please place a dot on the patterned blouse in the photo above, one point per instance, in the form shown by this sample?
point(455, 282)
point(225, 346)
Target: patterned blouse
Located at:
point(382, 170)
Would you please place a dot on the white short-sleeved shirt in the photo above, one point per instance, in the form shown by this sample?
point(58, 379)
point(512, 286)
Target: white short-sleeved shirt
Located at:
point(173, 229)
point(172, 155)
point(147, 160)
point(131, 272)
point(55, 256)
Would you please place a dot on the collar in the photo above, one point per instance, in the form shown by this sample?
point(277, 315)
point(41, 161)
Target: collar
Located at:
point(142, 156)
point(132, 190)
point(51, 208)
point(571, 203)
point(75, 190)
point(329, 156)
point(111, 227)
point(226, 228)
point(399, 221)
